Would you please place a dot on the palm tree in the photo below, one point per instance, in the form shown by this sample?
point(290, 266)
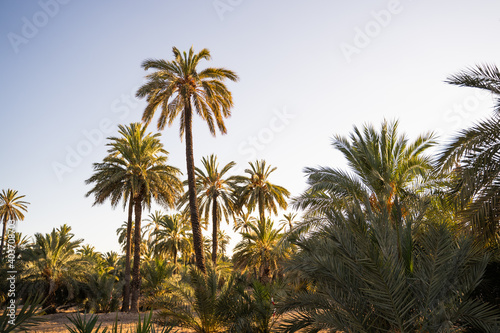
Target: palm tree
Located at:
point(260, 248)
point(154, 222)
point(21, 243)
point(384, 166)
point(288, 220)
point(113, 181)
point(202, 302)
point(139, 159)
point(156, 273)
point(11, 209)
point(171, 236)
point(215, 195)
point(473, 157)
point(243, 220)
point(53, 263)
point(355, 281)
point(178, 88)
point(145, 159)
point(257, 191)
point(224, 240)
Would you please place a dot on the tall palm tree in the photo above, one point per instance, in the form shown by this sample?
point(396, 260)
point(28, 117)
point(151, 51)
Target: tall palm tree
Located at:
point(152, 178)
point(215, 195)
point(113, 182)
point(255, 190)
point(473, 156)
point(11, 209)
point(171, 236)
point(260, 248)
point(179, 88)
point(140, 160)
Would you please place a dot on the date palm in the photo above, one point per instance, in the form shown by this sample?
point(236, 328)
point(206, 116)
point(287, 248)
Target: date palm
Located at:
point(179, 89)
point(383, 165)
point(113, 182)
point(11, 209)
point(473, 156)
point(154, 222)
point(201, 302)
point(256, 191)
point(171, 236)
point(140, 160)
point(288, 221)
point(215, 195)
point(243, 220)
point(355, 281)
point(52, 263)
point(260, 248)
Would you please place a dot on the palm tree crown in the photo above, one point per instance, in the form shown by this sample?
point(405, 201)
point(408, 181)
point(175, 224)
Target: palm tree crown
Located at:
point(11, 209)
point(139, 162)
point(473, 157)
point(215, 195)
point(171, 235)
point(255, 190)
point(260, 249)
point(383, 165)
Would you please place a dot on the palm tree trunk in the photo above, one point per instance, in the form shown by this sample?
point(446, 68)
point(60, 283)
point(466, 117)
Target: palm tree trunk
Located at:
point(136, 272)
point(3, 237)
point(215, 219)
point(193, 205)
point(261, 208)
point(128, 247)
point(398, 225)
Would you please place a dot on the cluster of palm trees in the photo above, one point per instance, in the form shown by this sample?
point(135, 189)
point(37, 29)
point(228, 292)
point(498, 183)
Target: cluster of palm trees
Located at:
point(400, 241)
point(136, 173)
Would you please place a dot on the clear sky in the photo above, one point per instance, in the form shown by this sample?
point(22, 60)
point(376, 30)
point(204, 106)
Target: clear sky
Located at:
point(308, 69)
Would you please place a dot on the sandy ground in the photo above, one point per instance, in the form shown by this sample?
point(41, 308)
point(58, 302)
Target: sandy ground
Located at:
point(56, 322)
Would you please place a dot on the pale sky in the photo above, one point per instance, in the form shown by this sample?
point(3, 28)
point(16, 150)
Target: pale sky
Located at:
point(308, 70)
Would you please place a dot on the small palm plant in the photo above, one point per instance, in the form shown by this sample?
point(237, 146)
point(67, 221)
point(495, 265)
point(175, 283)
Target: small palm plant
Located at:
point(27, 318)
point(200, 303)
point(52, 265)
